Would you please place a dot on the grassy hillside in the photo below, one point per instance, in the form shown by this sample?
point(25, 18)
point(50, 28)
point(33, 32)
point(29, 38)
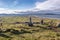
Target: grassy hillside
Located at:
point(48, 31)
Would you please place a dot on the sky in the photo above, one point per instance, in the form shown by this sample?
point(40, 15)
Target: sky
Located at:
point(10, 6)
point(18, 4)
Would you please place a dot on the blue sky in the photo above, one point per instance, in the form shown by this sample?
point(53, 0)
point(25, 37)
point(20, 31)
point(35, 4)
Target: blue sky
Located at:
point(18, 4)
point(10, 6)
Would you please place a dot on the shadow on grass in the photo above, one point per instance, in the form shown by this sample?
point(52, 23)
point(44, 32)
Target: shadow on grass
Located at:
point(25, 31)
point(3, 35)
point(16, 32)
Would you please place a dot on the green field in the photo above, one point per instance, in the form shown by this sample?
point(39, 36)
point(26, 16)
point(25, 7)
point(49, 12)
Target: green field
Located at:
point(50, 30)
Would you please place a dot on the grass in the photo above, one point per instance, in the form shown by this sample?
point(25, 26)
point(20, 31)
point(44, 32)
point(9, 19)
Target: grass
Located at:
point(10, 31)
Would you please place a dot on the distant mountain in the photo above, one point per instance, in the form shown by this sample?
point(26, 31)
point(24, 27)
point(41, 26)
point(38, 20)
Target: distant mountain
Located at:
point(50, 14)
point(27, 13)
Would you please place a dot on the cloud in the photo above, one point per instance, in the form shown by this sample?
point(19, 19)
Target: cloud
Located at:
point(10, 11)
point(4, 10)
point(48, 5)
point(7, 11)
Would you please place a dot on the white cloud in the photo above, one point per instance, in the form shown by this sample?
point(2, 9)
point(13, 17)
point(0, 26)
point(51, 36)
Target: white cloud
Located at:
point(10, 11)
point(7, 11)
point(48, 5)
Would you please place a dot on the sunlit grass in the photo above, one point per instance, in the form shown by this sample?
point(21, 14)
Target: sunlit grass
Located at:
point(26, 32)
